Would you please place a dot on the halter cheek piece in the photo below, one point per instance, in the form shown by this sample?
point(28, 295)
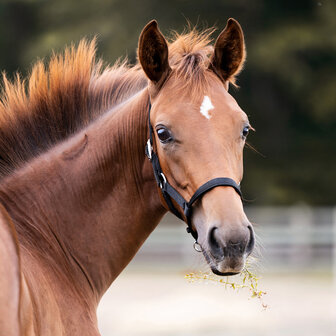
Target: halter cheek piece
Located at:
point(169, 193)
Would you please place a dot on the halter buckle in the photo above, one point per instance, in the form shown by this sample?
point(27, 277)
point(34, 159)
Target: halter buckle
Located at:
point(149, 150)
point(163, 180)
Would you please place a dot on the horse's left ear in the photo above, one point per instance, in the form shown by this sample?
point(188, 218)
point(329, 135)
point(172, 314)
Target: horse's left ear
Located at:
point(153, 53)
point(229, 52)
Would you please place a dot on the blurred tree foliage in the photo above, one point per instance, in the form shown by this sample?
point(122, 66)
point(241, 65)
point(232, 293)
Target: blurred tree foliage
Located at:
point(288, 87)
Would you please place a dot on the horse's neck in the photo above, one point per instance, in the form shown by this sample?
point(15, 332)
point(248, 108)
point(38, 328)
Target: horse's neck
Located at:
point(92, 201)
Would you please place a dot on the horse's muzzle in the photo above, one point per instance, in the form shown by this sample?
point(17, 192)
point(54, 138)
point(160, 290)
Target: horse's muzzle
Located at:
point(227, 251)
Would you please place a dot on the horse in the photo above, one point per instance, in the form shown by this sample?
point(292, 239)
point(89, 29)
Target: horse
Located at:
point(79, 195)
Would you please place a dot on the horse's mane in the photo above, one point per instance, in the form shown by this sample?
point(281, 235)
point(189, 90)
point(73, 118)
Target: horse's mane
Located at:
point(59, 99)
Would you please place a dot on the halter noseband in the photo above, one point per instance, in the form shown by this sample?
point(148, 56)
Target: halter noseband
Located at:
point(169, 193)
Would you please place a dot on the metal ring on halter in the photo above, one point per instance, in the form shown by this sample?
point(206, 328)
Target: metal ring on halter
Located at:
point(164, 180)
point(197, 247)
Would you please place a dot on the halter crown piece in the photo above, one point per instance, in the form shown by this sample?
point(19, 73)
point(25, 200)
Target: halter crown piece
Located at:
point(170, 193)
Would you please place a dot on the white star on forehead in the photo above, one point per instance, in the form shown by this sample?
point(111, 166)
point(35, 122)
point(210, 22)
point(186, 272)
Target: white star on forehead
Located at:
point(206, 107)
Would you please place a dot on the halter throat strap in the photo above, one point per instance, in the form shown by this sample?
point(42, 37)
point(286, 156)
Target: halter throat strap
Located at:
point(169, 193)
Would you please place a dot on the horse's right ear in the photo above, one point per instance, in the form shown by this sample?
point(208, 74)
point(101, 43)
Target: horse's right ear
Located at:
point(153, 53)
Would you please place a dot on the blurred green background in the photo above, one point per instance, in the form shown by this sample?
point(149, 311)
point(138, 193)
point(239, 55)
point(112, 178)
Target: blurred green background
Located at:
point(288, 87)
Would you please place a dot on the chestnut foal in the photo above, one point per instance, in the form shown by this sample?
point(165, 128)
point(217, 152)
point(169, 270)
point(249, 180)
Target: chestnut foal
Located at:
point(78, 195)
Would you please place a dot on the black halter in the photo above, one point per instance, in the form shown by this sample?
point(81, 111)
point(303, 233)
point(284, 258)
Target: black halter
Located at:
point(170, 193)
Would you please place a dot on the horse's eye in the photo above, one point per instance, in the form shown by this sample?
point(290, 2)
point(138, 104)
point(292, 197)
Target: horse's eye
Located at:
point(246, 130)
point(164, 134)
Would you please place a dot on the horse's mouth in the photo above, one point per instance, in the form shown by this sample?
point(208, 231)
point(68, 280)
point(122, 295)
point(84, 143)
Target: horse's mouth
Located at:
point(227, 266)
point(215, 271)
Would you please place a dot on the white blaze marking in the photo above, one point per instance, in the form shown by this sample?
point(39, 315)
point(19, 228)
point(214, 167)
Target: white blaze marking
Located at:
point(206, 107)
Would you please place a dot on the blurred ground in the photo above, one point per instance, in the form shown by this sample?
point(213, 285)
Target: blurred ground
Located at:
point(167, 304)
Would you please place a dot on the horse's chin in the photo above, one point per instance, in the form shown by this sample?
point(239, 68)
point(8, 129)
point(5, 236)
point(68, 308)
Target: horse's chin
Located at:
point(227, 266)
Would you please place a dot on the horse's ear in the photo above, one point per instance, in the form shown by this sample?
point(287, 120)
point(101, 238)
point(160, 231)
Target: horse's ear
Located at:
point(153, 53)
point(229, 52)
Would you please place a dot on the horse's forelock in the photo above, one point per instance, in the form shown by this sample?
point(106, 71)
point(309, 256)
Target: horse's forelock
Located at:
point(189, 56)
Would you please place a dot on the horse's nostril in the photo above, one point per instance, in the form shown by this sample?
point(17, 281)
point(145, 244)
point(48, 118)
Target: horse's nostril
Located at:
point(251, 242)
point(212, 239)
point(215, 247)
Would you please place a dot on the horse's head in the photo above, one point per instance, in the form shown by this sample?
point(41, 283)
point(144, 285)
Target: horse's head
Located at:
point(199, 133)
